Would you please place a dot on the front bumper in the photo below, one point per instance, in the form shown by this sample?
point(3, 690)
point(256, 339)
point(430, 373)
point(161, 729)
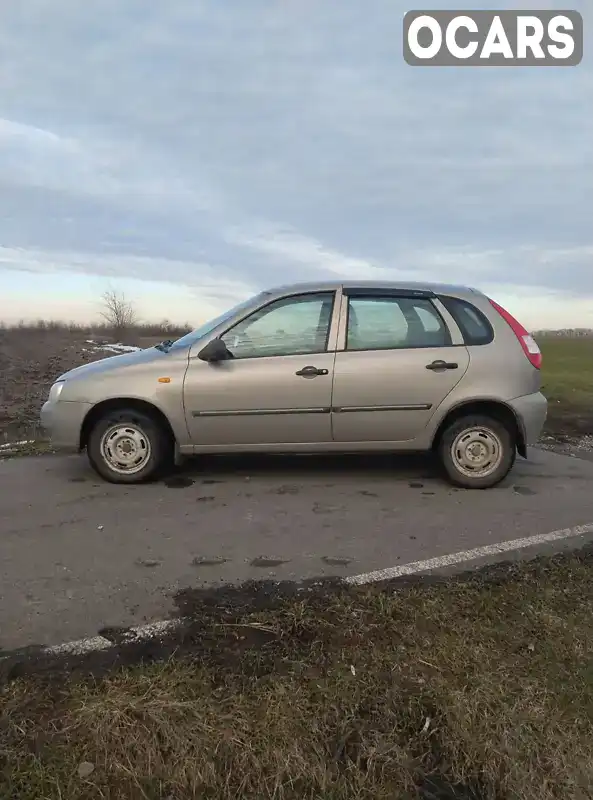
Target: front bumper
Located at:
point(532, 412)
point(62, 421)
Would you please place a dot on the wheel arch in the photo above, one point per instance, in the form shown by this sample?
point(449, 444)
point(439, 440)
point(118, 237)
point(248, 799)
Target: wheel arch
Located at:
point(119, 403)
point(497, 409)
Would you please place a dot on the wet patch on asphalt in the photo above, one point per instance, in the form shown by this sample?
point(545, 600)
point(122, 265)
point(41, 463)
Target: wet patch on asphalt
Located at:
point(148, 562)
point(60, 524)
point(320, 508)
point(264, 561)
point(83, 498)
point(178, 482)
point(206, 561)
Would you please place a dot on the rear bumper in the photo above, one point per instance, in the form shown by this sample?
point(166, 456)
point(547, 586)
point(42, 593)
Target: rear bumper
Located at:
point(62, 421)
point(531, 411)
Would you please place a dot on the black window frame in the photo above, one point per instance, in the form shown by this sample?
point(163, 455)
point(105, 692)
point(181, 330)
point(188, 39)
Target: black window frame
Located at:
point(427, 296)
point(273, 301)
point(452, 305)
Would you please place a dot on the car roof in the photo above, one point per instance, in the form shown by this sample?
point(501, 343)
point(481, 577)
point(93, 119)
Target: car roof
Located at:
point(426, 286)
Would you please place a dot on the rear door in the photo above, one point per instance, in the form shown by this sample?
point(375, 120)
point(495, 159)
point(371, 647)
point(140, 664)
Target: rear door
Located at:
point(397, 360)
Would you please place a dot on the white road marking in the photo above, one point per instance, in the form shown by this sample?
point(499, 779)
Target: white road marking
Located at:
point(468, 555)
point(9, 445)
point(139, 634)
point(78, 648)
point(155, 629)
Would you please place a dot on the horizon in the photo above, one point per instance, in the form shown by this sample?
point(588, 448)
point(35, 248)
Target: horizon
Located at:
point(192, 155)
point(159, 325)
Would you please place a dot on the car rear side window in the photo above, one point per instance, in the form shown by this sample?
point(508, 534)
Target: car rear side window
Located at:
point(473, 324)
point(393, 322)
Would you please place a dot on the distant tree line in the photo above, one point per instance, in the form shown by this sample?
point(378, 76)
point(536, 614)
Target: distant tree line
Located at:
point(567, 332)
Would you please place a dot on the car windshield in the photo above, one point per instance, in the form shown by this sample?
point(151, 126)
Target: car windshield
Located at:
point(190, 338)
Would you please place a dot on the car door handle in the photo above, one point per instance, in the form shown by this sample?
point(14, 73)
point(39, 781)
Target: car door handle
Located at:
point(437, 366)
point(311, 372)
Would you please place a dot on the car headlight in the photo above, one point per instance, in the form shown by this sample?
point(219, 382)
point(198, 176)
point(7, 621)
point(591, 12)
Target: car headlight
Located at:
point(55, 391)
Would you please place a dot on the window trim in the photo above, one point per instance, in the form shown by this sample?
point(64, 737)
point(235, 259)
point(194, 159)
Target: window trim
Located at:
point(394, 295)
point(445, 300)
point(379, 291)
point(313, 293)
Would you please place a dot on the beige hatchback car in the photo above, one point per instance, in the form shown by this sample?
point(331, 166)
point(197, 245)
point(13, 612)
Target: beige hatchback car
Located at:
point(322, 367)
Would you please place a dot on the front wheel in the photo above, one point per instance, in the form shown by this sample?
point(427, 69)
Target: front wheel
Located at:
point(477, 452)
point(128, 446)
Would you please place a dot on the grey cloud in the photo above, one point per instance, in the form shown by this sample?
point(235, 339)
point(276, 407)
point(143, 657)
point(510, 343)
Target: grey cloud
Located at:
point(201, 131)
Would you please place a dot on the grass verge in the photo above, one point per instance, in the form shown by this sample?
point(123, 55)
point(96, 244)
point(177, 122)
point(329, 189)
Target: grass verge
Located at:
point(567, 379)
point(480, 687)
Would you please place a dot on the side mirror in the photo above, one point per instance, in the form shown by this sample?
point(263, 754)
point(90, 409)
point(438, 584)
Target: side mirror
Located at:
point(216, 350)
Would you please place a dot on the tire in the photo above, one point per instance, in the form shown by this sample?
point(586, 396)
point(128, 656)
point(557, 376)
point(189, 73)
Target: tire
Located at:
point(144, 436)
point(498, 450)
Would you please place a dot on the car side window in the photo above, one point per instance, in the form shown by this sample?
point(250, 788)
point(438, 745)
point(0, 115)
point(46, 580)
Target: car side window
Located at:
point(295, 325)
point(474, 326)
point(385, 323)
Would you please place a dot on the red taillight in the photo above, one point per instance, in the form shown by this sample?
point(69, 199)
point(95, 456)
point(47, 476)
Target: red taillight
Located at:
point(528, 343)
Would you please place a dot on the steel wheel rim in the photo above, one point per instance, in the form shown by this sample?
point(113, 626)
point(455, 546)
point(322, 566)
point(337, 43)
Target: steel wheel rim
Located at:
point(125, 448)
point(477, 452)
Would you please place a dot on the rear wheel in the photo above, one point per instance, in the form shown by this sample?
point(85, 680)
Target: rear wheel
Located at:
point(128, 446)
point(477, 452)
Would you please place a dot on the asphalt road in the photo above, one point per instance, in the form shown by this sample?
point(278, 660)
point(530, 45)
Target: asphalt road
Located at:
point(77, 554)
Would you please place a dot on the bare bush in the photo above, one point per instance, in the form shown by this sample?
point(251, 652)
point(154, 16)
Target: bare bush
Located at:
point(119, 313)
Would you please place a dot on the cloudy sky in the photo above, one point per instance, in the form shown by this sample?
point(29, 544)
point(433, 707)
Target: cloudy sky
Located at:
point(194, 152)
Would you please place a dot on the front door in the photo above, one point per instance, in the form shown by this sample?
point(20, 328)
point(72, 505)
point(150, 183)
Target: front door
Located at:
point(277, 387)
point(397, 366)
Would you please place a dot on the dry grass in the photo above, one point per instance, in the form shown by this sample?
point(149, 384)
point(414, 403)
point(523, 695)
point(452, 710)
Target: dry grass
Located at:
point(482, 688)
point(568, 383)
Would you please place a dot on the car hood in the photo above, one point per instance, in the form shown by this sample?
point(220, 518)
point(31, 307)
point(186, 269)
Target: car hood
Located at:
point(114, 362)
